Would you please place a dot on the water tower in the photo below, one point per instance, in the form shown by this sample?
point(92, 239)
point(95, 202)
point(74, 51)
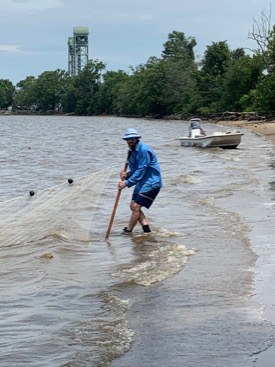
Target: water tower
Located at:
point(78, 50)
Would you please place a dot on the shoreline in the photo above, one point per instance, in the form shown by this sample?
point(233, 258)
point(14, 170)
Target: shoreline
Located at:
point(266, 129)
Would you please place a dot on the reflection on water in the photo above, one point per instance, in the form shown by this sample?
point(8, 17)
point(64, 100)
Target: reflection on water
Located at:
point(190, 293)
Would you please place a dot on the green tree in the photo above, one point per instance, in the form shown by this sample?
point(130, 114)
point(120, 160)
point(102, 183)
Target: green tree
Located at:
point(128, 100)
point(151, 98)
point(48, 90)
point(242, 76)
point(162, 86)
point(263, 97)
point(6, 93)
point(216, 59)
point(68, 95)
point(87, 85)
point(214, 65)
point(24, 96)
point(178, 47)
point(109, 91)
point(168, 83)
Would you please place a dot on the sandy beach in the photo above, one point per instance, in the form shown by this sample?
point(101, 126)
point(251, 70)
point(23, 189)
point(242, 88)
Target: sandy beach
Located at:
point(263, 128)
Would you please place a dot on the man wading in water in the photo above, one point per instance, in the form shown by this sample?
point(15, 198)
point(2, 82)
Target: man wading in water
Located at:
point(144, 173)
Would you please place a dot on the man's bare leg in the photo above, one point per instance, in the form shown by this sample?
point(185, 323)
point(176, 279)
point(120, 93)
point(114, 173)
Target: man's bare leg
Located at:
point(137, 216)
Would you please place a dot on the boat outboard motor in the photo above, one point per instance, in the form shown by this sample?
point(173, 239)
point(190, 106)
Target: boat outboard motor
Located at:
point(195, 129)
point(195, 125)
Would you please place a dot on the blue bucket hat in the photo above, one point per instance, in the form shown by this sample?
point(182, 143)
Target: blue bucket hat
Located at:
point(131, 133)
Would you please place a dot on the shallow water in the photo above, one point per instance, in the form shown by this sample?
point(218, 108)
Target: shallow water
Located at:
point(197, 291)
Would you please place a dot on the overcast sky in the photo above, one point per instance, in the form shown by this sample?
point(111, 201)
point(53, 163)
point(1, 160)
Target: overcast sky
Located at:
point(34, 33)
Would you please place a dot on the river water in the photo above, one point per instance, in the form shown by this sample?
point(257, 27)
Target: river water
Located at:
point(197, 291)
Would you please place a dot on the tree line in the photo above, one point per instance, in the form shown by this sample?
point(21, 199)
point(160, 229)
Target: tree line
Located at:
point(174, 83)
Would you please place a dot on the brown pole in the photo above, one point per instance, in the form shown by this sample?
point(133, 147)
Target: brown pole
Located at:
point(117, 200)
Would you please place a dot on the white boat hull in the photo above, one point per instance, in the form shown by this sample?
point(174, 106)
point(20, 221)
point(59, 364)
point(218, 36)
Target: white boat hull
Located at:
point(228, 140)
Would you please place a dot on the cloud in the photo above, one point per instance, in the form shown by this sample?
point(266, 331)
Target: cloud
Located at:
point(29, 4)
point(10, 48)
point(122, 18)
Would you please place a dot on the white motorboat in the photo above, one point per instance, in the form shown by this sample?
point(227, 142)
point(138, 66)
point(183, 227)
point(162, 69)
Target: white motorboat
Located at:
point(228, 140)
point(198, 138)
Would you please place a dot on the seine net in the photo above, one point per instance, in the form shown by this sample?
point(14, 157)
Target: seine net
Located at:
point(64, 211)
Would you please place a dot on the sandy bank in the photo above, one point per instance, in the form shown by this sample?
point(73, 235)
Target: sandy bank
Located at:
point(264, 128)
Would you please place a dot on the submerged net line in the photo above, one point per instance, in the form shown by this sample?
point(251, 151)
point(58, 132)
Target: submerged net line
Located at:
point(63, 211)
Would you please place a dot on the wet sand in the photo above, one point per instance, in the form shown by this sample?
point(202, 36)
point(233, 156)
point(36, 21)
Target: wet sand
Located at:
point(267, 129)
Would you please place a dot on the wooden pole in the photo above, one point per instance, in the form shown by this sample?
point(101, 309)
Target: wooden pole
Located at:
point(117, 200)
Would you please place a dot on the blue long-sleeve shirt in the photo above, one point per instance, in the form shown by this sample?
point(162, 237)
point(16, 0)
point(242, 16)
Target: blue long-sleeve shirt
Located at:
point(144, 170)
